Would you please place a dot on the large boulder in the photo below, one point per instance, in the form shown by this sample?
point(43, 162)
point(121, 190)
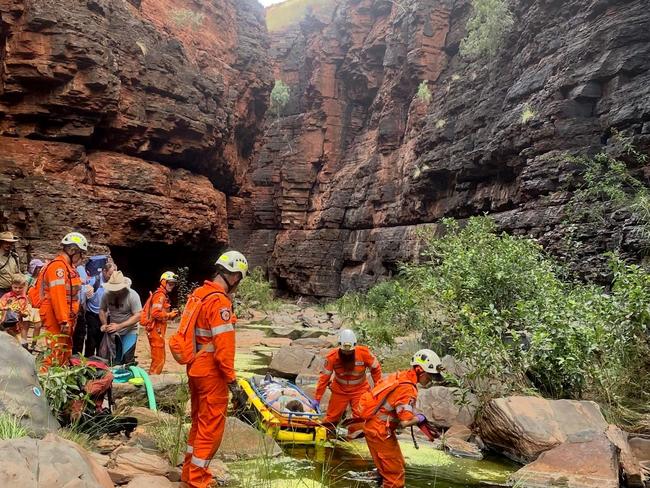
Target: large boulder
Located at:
point(289, 362)
point(640, 448)
point(628, 462)
point(590, 464)
point(446, 406)
point(165, 386)
point(242, 441)
point(22, 395)
point(524, 427)
point(51, 462)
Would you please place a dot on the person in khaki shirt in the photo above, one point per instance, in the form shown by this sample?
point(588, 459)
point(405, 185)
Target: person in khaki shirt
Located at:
point(9, 263)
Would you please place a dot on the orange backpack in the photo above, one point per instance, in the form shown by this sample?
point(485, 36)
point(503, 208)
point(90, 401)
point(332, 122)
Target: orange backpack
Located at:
point(372, 400)
point(183, 343)
point(145, 316)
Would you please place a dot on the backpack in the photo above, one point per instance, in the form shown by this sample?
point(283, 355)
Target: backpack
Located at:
point(36, 293)
point(183, 343)
point(372, 400)
point(145, 316)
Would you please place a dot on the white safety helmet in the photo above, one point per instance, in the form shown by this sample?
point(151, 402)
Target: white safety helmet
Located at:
point(169, 277)
point(77, 239)
point(234, 262)
point(427, 360)
point(347, 339)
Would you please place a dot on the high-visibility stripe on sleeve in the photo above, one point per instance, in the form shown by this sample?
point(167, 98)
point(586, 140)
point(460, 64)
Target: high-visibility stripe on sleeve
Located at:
point(56, 282)
point(201, 463)
point(190, 449)
point(404, 408)
point(222, 329)
point(157, 305)
point(203, 332)
point(375, 364)
point(326, 371)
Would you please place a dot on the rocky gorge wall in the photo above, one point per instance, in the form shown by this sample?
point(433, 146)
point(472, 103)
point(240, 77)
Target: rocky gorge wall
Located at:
point(356, 164)
point(130, 121)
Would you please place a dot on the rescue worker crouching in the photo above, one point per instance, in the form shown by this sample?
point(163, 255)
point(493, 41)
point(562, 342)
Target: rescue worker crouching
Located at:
point(212, 373)
point(154, 319)
point(395, 410)
point(348, 363)
point(59, 293)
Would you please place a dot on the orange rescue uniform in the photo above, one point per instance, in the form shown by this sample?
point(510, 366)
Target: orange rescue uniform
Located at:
point(347, 385)
point(380, 429)
point(59, 291)
point(209, 375)
point(160, 314)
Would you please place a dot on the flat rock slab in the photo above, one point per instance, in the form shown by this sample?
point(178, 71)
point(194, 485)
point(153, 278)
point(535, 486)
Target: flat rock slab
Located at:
point(127, 462)
point(51, 462)
point(524, 427)
point(290, 361)
point(592, 464)
point(149, 481)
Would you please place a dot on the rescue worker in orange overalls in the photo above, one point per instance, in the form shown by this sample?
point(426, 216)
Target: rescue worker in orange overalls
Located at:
point(59, 292)
point(160, 313)
point(397, 412)
point(348, 363)
point(212, 374)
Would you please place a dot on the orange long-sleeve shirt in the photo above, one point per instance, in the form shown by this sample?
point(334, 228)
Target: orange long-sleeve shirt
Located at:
point(398, 406)
point(160, 305)
point(348, 382)
point(59, 289)
point(215, 337)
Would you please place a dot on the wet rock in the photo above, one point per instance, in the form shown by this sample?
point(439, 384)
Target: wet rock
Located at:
point(22, 395)
point(51, 462)
point(460, 448)
point(289, 362)
point(590, 464)
point(524, 427)
point(243, 441)
point(458, 431)
point(445, 406)
point(128, 462)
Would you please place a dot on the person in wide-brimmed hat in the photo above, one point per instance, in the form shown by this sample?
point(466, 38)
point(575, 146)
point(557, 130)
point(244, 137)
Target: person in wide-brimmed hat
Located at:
point(119, 312)
point(9, 262)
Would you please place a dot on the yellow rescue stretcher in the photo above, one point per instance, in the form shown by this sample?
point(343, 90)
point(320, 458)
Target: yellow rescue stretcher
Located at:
point(286, 427)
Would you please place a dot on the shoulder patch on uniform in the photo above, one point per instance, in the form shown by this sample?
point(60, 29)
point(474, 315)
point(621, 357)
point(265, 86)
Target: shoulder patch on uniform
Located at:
point(60, 273)
point(225, 314)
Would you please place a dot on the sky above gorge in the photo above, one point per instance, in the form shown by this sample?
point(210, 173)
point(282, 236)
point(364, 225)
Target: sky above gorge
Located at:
point(266, 3)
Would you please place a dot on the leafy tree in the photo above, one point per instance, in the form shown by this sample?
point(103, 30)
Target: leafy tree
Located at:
point(279, 97)
point(490, 22)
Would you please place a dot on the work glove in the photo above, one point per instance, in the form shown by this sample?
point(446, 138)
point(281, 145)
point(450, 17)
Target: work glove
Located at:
point(174, 313)
point(315, 404)
point(421, 419)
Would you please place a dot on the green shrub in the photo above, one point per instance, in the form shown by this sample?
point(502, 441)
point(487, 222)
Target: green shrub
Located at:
point(499, 304)
point(10, 427)
point(424, 93)
point(63, 385)
point(74, 435)
point(255, 292)
point(279, 97)
point(490, 22)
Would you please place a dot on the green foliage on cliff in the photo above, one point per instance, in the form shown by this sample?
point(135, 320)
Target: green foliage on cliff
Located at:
point(490, 22)
point(424, 93)
point(279, 97)
point(501, 305)
point(256, 293)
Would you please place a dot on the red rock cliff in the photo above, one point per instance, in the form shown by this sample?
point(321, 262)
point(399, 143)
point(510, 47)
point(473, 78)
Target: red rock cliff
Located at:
point(131, 121)
point(356, 164)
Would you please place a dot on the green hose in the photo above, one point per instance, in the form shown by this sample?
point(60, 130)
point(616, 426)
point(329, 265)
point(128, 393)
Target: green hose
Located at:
point(151, 396)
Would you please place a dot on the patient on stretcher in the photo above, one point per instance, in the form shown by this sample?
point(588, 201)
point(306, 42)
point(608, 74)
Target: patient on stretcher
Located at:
point(284, 398)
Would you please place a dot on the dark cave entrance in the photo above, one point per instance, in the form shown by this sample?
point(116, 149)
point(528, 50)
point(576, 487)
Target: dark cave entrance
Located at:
point(145, 262)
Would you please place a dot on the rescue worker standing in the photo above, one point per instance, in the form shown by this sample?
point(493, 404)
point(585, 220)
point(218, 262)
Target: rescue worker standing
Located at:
point(212, 373)
point(59, 291)
point(348, 363)
point(158, 313)
point(396, 410)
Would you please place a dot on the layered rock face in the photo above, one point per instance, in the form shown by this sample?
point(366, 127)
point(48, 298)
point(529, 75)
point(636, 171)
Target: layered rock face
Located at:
point(130, 121)
point(355, 164)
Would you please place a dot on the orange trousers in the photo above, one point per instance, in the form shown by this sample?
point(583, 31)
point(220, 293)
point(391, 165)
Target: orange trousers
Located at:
point(387, 457)
point(208, 424)
point(339, 403)
point(157, 344)
point(58, 344)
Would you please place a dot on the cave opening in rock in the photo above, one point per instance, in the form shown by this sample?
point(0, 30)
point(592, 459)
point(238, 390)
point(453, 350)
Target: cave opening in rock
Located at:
point(145, 262)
